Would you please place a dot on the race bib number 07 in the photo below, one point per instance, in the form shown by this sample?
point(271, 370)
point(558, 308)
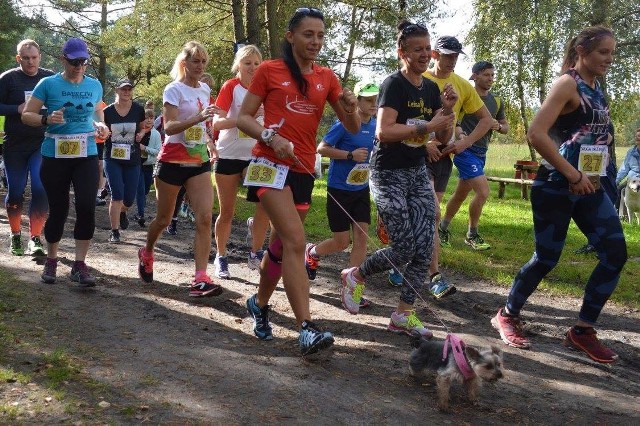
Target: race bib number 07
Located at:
point(70, 146)
point(593, 160)
point(262, 172)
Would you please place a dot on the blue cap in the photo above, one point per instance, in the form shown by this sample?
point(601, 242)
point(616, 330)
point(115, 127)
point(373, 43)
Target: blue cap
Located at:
point(75, 48)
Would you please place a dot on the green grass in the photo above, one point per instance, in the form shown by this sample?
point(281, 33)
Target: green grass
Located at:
point(59, 369)
point(507, 225)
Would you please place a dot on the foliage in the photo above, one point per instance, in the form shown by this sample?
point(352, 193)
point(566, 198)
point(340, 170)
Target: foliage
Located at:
point(11, 26)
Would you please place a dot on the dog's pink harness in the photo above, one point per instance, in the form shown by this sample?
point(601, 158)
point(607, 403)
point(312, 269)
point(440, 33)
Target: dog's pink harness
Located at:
point(457, 346)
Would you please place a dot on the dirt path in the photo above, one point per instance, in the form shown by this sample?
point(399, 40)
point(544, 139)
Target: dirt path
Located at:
point(149, 353)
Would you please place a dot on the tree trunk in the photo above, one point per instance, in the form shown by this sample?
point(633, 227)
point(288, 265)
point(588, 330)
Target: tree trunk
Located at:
point(252, 22)
point(238, 26)
point(102, 59)
point(273, 32)
point(521, 96)
point(352, 44)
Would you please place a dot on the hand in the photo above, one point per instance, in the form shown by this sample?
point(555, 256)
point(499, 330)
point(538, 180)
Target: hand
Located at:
point(102, 131)
point(495, 125)
point(449, 96)
point(283, 147)
point(433, 153)
point(583, 186)
point(440, 121)
point(457, 147)
point(208, 113)
point(21, 107)
point(140, 135)
point(348, 101)
point(56, 117)
point(360, 155)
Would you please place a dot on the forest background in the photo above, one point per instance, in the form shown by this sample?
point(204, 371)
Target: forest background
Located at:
point(524, 39)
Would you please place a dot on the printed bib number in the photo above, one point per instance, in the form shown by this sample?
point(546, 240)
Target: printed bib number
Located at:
point(262, 172)
point(195, 135)
point(70, 146)
point(121, 151)
point(418, 140)
point(27, 95)
point(593, 160)
point(359, 175)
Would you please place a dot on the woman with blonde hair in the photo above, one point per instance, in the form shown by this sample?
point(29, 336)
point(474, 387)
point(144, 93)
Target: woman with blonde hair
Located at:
point(234, 153)
point(184, 161)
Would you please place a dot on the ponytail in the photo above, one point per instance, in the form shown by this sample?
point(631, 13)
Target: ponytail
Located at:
point(589, 38)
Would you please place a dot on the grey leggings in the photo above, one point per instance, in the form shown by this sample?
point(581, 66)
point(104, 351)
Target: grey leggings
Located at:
point(406, 204)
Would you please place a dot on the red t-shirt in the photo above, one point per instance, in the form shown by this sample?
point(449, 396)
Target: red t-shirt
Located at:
point(281, 98)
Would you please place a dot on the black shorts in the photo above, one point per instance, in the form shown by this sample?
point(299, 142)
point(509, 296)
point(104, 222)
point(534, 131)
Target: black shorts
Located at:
point(177, 174)
point(100, 147)
point(440, 172)
point(356, 203)
point(301, 185)
point(226, 166)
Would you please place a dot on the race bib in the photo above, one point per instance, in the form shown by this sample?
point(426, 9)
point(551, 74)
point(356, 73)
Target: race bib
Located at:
point(359, 175)
point(194, 135)
point(262, 172)
point(121, 151)
point(418, 140)
point(593, 160)
point(27, 95)
point(70, 146)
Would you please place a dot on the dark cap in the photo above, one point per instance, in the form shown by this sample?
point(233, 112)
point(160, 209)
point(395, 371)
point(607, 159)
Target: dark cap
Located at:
point(448, 45)
point(480, 66)
point(75, 48)
point(123, 82)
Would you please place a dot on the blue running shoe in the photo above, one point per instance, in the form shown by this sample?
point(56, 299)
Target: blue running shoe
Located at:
point(395, 278)
point(440, 288)
point(261, 325)
point(312, 339)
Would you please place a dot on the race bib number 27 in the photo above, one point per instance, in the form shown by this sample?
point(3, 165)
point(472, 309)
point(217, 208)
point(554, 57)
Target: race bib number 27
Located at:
point(593, 160)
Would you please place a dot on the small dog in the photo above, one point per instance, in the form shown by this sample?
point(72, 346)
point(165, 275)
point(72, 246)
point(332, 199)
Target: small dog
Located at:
point(630, 200)
point(482, 363)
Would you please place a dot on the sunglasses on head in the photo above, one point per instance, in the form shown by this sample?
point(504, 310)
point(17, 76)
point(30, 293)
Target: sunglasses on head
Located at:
point(310, 11)
point(412, 28)
point(77, 62)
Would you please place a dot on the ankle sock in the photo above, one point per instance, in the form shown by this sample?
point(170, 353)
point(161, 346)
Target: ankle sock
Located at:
point(444, 224)
point(472, 232)
point(504, 313)
point(200, 274)
point(580, 330)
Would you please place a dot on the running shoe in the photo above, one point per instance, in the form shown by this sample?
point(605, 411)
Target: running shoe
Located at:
point(16, 245)
point(100, 202)
point(588, 343)
point(445, 236)
point(440, 288)
point(49, 273)
point(261, 325)
point(255, 259)
point(312, 339)
point(172, 229)
point(586, 249)
point(351, 291)
point(408, 323)
point(249, 238)
point(35, 248)
point(395, 278)
point(103, 193)
point(184, 210)
point(311, 262)
point(511, 329)
point(124, 221)
point(114, 236)
point(381, 231)
point(364, 303)
point(476, 242)
point(204, 286)
point(140, 219)
point(221, 267)
point(80, 274)
point(145, 265)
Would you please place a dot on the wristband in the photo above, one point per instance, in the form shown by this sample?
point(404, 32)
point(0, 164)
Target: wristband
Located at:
point(350, 155)
point(44, 120)
point(578, 181)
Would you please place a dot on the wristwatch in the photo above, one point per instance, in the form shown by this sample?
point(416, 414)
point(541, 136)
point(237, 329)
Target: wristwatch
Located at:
point(44, 119)
point(267, 136)
point(350, 155)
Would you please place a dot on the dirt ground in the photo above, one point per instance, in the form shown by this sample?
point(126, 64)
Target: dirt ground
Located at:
point(151, 354)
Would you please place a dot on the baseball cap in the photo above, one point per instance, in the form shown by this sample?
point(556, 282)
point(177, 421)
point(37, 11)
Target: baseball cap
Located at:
point(123, 82)
point(448, 45)
point(480, 66)
point(366, 88)
point(75, 48)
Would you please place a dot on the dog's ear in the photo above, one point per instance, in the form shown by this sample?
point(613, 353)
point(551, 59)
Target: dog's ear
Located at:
point(496, 351)
point(472, 353)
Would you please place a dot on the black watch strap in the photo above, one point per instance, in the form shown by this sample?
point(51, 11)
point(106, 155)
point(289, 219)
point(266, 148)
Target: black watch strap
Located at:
point(350, 155)
point(44, 120)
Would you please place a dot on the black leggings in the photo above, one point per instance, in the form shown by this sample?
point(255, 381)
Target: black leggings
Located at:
point(57, 175)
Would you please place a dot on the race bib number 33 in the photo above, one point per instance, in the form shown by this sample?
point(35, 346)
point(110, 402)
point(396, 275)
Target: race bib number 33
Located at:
point(262, 172)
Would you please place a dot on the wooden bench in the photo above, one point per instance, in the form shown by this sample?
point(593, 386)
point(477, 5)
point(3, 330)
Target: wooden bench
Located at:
point(524, 184)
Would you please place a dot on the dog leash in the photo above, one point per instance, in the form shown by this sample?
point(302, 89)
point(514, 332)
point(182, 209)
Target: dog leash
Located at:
point(457, 347)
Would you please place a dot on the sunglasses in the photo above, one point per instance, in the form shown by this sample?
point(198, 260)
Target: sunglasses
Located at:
point(412, 28)
point(310, 11)
point(77, 62)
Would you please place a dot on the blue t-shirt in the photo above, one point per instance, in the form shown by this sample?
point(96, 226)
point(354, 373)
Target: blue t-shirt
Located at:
point(338, 137)
point(79, 102)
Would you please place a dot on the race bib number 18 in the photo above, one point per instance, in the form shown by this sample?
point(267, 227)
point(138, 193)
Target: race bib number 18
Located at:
point(593, 160)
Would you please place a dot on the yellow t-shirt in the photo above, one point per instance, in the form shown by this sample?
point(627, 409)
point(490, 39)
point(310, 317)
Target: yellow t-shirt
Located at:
point(468, 101)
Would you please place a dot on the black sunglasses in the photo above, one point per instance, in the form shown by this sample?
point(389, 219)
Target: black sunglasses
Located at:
point(77, 62)
point(412, 28)
point(311, 11)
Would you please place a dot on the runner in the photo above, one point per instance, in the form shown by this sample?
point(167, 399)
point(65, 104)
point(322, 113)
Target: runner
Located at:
point(122, 155)
point(234, 152)
point(150, 144)
point(184, 161)
point(69, 154)
point(410, 109)
point(348, 185)
point(294, 90)
point(22, 158)
point(571, 132)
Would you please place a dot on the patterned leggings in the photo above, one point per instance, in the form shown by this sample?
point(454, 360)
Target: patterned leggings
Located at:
point(553, 208)
point(406, 204)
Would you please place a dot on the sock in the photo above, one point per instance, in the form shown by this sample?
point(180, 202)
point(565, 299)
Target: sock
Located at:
point(433, 275)
point(201, 274)
point(472, 231)
point(444, 224)
point(580, 330)
point(504, 313)
point(313, 253)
